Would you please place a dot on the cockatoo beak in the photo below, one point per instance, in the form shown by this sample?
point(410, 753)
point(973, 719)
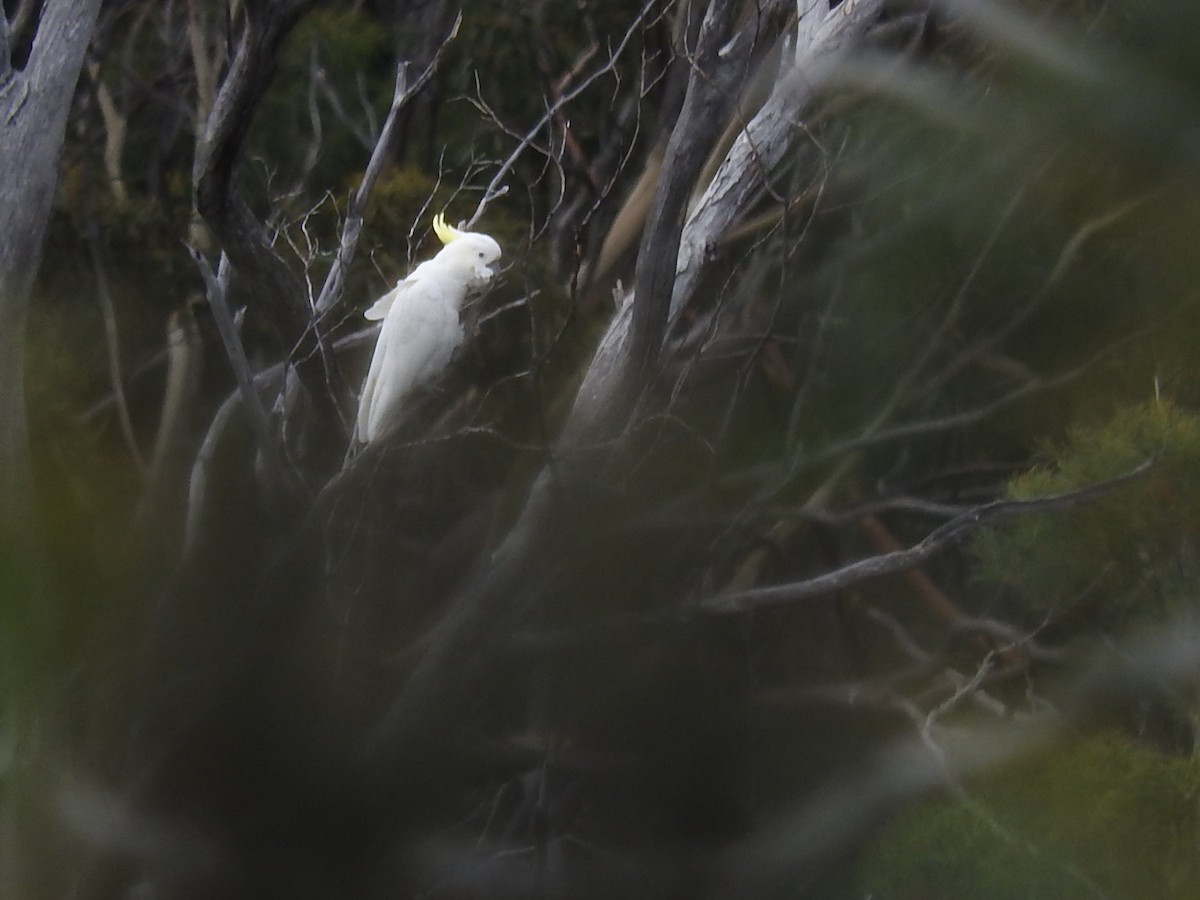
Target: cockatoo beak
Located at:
point(486, 274)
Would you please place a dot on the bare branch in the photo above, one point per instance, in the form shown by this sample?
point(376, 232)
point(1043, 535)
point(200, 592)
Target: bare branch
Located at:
point(331, 291)
point(112, 341)
point(316, 137)
point(184, 359)
point(114, 134)
point(857, 511)
point(495, 188)
point(937, 541)
point(5, 50)
point(204, 66)
point(875, 436)
point(718, 66)
point(34, 107)
point(932, 597)
point(837, 815)
point(765, 140)
point(242, 237)
point(320, 81)
point(217, 435)
point(216, 287)
point(570, 142)
point(741, 177)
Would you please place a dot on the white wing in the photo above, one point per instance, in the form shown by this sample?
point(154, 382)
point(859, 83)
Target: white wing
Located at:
point(420, 333)
point(379, 309)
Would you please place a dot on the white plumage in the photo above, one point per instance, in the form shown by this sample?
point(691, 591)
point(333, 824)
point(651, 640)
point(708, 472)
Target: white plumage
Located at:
point(421, 326)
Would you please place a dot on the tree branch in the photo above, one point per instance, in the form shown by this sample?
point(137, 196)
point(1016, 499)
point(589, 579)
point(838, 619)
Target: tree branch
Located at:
point(217, 198)
point(767, 137)
point(204, 67)
point(877, 434)
point(496, 600)
point(718, 65)
point(5, 50)
point(216, 287)
point(112, 341)
point(331, 290)
point(115, 128)
point(839, 814)
point(937, 541)
point(739, 178)
point(217, 435)
point(184, 352)
point(34, 107)
point(495, 188)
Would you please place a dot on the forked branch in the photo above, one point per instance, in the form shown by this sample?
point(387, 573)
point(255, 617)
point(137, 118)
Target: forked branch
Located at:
point(937, 541)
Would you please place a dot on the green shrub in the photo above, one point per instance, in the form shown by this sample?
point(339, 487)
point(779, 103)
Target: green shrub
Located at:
point(1101, 817)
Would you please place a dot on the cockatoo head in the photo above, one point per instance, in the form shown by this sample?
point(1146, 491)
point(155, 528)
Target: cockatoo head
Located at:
point(477, 253)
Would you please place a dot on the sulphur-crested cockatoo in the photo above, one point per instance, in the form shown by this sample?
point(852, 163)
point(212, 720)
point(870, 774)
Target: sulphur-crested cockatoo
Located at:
point(421, 327)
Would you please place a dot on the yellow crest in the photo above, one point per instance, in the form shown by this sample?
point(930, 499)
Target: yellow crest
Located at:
point(445, 233)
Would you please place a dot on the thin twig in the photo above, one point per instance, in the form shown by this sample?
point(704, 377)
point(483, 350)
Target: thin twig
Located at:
point(878, 435)
point(494, 189)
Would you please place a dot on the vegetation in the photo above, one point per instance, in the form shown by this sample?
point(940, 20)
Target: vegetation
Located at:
point(1100, 817)
point(810, 512)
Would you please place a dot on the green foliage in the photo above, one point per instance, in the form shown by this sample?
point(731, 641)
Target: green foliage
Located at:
point(972, 227)
point(1102, 817)
point(1124, 557)
point(399, 214)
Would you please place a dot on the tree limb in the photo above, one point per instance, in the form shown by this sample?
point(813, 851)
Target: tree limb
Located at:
point(765, 140)
point(115, 128)
point(216, 288)
point(739, 178)
point(218, 200)
point(495, 188)
point(112, 341)
point(5, 50)
point(719, 64)
point(217, 435)
point(331, 290)
point(500, 597)
point(184, 353)
point(938, 540)
point(34, 105)
point(204, 67)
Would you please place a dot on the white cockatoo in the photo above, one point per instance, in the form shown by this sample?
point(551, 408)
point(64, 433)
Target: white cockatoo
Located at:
point(421, 326)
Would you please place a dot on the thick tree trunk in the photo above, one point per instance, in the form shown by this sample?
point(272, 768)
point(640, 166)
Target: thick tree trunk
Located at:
point(34, 103)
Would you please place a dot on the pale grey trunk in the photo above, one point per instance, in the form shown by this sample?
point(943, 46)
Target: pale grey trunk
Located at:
point(34, 103)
